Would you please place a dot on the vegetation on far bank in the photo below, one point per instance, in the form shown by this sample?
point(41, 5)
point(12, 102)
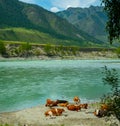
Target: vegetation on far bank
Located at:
point(10, 49)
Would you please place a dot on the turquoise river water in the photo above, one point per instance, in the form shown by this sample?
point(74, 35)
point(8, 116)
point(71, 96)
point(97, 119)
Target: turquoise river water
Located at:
point(25, 84)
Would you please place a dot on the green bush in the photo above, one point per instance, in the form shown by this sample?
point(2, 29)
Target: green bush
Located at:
point(2, 49)
point(24, 50)
point(47, 49)
point(113, 98)
point(118, 52)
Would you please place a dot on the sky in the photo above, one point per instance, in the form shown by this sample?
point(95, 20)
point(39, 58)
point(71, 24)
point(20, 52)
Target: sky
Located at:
point(60, 5)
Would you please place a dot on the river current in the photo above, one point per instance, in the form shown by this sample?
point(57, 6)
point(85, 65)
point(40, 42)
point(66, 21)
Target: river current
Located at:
point(25, 84)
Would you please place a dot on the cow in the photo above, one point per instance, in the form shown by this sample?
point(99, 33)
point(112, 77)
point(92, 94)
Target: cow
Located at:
point(84, 106)
point(54, 112)
point(74, 107)
point(50, 103)
point(76, 99)
point(100, 113)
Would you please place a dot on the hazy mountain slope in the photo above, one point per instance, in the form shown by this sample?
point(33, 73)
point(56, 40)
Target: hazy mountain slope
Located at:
point(92, 20)
point(15, 14)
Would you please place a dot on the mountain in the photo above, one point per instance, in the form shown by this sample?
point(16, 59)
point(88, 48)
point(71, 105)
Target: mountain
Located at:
point(91, 20)
point(31, 23)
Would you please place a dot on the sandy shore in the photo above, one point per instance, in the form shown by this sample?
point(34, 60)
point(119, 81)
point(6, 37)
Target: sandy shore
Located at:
point(35, 117)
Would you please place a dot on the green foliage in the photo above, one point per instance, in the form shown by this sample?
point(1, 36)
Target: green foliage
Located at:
point(48, 49)
point(74, 50)
point(2, 49)
point(112, 7)
point(37, 52)
point(113, 98)
point(5, 124)
point(24, 49)
point(26, 46)
point(118, 52)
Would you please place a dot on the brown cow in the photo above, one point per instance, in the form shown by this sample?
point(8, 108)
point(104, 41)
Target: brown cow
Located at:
point(74, 107)
point(54, 112)
point(63, 104)
point(76, 99)
point(84, 106)
point(50, 103)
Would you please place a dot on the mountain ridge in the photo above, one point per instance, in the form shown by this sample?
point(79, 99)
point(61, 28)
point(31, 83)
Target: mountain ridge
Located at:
point(16, 14)
point(91, 20)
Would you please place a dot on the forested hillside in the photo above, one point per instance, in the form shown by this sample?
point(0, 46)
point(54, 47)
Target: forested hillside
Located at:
point(31, 23)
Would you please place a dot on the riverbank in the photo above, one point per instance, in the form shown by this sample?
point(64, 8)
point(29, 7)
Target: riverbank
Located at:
point(94, 55)
point(35, 117)
point(28, 51)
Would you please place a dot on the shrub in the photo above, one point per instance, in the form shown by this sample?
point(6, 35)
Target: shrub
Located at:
point(113, 98)
point(48, 49)
point(25, 49)
point(118, 52)
point(2, 49)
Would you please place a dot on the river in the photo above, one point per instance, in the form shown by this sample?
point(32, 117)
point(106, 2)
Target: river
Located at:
point(25, 84)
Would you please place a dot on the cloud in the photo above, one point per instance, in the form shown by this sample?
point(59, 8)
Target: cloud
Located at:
point(54, 9)
point(64, 4)
point(28, 1)
point(87, 3)
point(58, 5)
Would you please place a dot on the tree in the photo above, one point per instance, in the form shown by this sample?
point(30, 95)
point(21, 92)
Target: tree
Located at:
point(112, 7)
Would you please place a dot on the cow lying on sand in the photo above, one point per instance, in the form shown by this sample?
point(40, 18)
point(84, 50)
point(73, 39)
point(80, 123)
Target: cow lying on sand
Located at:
point(74, 107)
point(54, 112)
point(102, 111)
point(63, 104)
point(52, 103)
point(84, 106)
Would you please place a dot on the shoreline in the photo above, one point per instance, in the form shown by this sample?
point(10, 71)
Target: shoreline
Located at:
point(90, 102)
point(56, 58)
point(34, 116)
point(80, 55)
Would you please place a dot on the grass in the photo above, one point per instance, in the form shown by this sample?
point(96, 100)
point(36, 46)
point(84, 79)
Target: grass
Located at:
point(92, 48)
point(34, 36)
